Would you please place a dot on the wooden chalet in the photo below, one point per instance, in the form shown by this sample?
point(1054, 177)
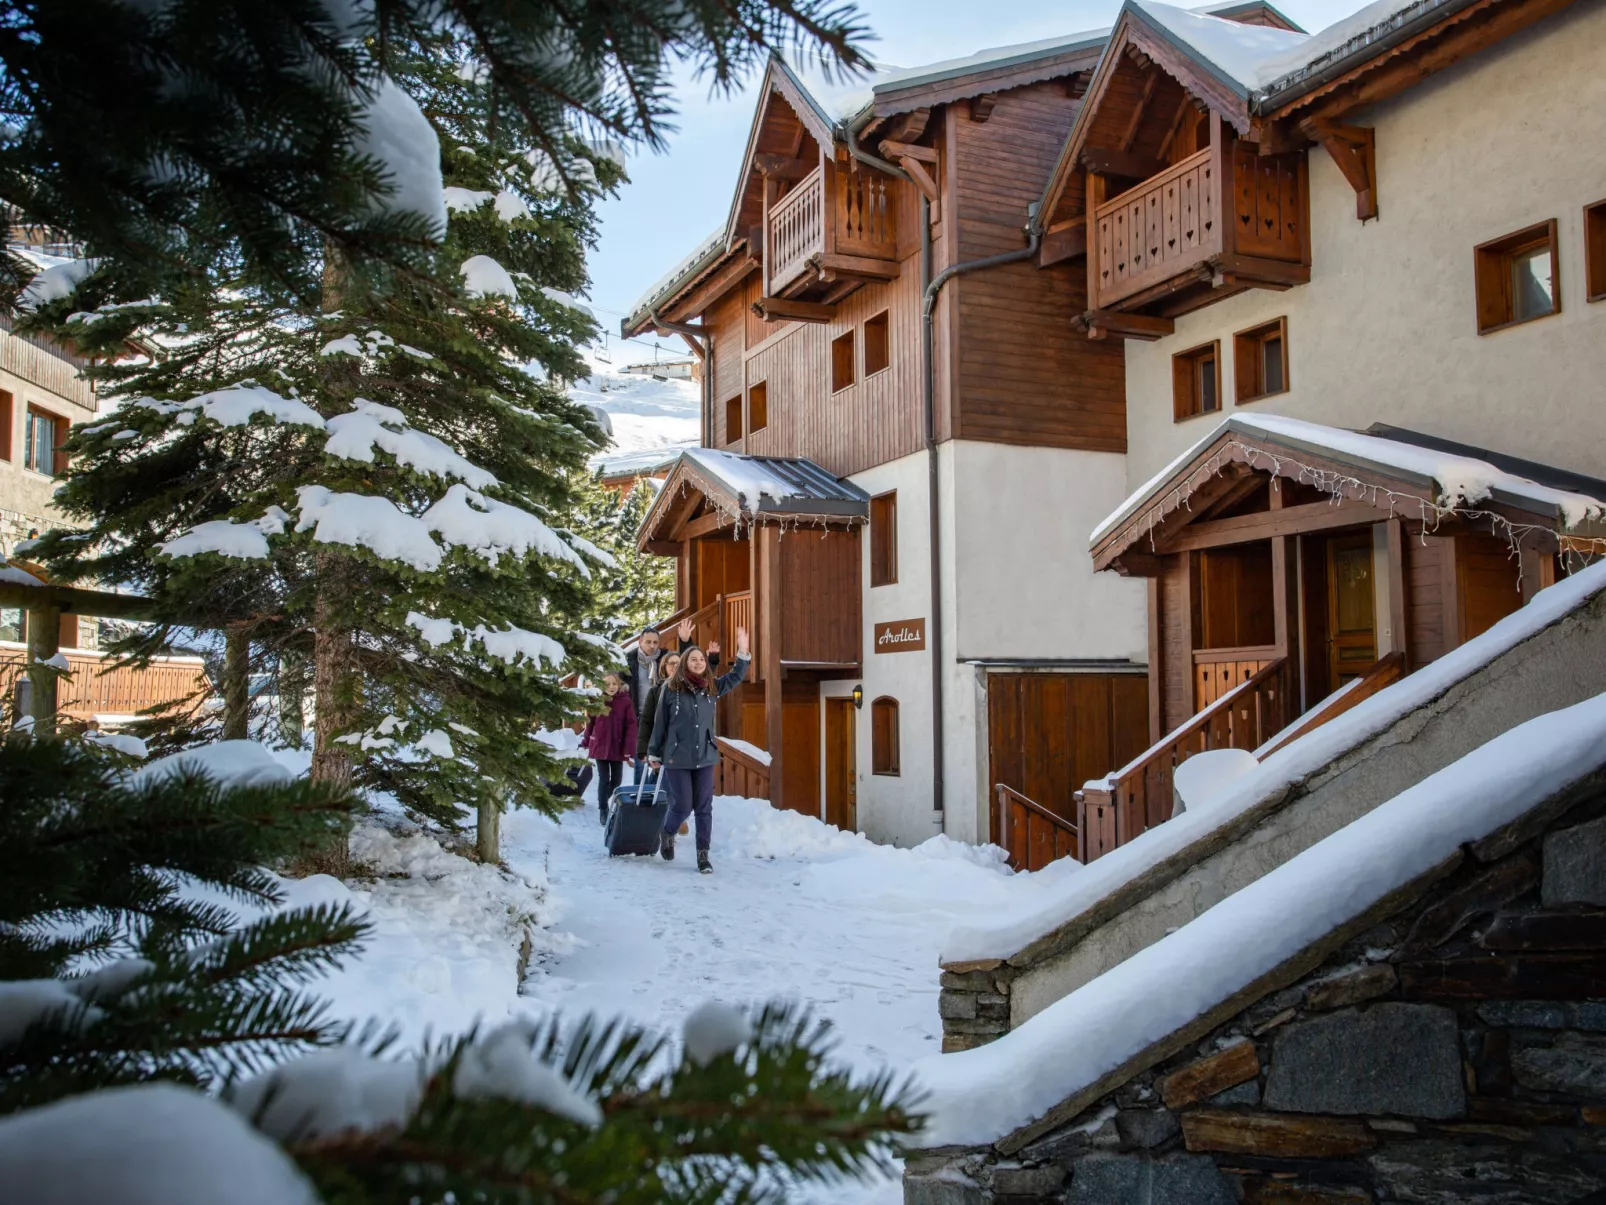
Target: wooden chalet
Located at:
point(1379, 483)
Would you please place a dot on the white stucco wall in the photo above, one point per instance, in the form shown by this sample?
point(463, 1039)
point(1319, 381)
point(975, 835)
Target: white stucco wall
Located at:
point(1385, 331)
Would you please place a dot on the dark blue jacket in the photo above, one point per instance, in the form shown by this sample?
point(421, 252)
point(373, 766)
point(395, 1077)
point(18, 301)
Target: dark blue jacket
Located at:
point(683, 727)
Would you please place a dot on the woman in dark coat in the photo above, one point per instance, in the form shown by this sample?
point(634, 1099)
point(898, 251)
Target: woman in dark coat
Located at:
point(610, 738)
point(667, 665)
point(682, 743)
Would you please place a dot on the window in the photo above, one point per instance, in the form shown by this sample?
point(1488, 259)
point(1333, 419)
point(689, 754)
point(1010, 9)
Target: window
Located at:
point(877, 350)
point(1260, 361)
point(1595, 250)
point(884, 539)
point(733, 419)
point(1516, 278)
point(884, 736)
point(1196, 381)
point(6, 404)
point(841, 362)
point(758, 406)
point(43, 433)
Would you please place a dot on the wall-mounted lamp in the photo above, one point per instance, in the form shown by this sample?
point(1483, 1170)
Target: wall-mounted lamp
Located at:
point(858, 697)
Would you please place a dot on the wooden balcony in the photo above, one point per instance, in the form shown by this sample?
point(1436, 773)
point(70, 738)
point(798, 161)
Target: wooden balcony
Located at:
point(1222, 220)
point(834, 229)
point(98, 687)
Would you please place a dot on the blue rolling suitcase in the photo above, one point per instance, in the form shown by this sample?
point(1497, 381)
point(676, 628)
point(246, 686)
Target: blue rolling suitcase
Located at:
point(635, 820)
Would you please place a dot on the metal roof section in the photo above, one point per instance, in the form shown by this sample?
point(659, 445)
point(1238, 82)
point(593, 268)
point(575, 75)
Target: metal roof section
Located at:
point(1533, 470)
point(805, 488)
point(707, 253)
point(998, 57)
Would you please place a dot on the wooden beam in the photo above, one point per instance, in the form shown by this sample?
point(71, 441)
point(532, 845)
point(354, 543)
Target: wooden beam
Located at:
point(908, 127)
point(75, 600)
point(1064, 240)
point(698, 299)
point(1394, 544)
point(1136, 120)
point(859, 265)
point(921, 177)
point(1184, 107)
point(782, 167)
point(767, 602)
point(894, 149)
point(1156, 665)
point(1288, 521)
point(1108, 162)
point(981, 107)
point(781, 309)
point(1259, 271)
point(44, 642)
point(1353, 150)
point(706, 525)
point(1100, 324)
point(662, 547)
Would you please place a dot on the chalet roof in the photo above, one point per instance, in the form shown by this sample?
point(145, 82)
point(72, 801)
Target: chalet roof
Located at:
point(1348, 463)
point(754, 489)
point(985, 71)
point(704, 257)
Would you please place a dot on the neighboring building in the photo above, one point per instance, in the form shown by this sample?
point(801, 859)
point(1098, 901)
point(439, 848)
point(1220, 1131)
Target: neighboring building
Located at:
point(668, 370)
point(1391, 228)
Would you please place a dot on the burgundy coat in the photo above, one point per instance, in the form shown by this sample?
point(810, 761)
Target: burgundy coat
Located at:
point(611, 736)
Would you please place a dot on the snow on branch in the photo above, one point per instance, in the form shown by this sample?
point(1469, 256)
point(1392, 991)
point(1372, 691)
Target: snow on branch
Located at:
point(484, 277)
point(464, 518)
point(509, 644)
point(354, 436)
point(398, 136)
point(366, 521)
point(236, 406)
point(244, 541)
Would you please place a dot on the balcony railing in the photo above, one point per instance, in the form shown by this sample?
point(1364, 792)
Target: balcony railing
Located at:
point(864, 217)
point(98, 686)
point(796, 232)
point(1163, 227)
point(1033, 835)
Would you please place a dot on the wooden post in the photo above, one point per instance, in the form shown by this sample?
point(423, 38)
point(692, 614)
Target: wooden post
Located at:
point(1285, 616)
point(1538, 570)
point(1185, 622)
point(1394, 545)
point(768, 606)
point(236, 685)
point(44, 642)
point(1156, 665)
point(488, 833)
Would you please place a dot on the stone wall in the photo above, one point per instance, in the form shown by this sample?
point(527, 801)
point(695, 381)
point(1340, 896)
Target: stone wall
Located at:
point(1451, 1052)
point(1562, 664)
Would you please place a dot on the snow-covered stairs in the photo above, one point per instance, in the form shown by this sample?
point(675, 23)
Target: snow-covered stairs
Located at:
point(1549, 655)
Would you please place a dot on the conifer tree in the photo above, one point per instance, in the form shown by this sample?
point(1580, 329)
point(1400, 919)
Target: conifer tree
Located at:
point(636, 589)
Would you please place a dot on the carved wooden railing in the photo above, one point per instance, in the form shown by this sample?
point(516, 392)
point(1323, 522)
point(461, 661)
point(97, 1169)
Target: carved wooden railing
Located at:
point(740, 773)
point(1388, 670)
point(864, 217)
point(795, 233)
point(1138, 796)
point(1164, 226)
point(1216, 671)
point(738, 614)
point(100, 687)
point(1033, 835)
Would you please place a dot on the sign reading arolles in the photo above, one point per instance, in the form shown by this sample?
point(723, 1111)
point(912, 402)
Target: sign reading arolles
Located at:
point(900, 636)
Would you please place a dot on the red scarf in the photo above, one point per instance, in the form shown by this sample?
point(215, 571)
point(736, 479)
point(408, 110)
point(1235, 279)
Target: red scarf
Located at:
point(697, 680)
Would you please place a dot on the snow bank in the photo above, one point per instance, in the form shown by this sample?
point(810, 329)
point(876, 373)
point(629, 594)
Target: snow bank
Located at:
point(1012, 929)
point(153, 1144)
point(980, 1095)
point(231, 763)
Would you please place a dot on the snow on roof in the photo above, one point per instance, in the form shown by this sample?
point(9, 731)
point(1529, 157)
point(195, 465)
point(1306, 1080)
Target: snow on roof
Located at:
point(748, 478)
point(1006, 933)
point(1453, 480)
point(983, 60)
point(981, 1095)
point(670, 280)
point(1256, 57)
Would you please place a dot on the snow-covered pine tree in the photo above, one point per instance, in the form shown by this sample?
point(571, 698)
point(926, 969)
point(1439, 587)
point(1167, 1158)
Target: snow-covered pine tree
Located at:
point(180, 1038)
point(381, 487)
point(637, 589)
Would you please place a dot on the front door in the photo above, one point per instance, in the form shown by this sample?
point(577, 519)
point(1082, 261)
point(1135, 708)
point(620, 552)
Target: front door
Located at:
point(841, 766)
point(1351, 612)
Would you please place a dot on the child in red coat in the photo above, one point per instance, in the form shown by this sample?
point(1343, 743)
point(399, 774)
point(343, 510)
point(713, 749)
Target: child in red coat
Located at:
point(611, 740)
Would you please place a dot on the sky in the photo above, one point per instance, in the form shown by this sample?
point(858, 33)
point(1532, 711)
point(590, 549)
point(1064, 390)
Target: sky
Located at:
point(677, 197)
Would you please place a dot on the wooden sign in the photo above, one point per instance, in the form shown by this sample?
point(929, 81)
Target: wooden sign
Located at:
point(900, 636)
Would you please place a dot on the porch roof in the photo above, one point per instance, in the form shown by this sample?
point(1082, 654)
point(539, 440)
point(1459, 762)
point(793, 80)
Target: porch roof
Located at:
point(753, 489)
point(1418, 480)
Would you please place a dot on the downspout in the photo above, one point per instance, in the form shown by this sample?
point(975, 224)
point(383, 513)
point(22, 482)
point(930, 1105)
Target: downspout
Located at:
point(930, 289)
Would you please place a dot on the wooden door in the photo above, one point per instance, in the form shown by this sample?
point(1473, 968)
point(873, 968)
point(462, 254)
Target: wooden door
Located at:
point(841, 766)
point(1351, 608)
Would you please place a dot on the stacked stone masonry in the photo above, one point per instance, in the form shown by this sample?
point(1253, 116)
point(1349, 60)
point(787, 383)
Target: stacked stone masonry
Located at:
point(1450, 1052)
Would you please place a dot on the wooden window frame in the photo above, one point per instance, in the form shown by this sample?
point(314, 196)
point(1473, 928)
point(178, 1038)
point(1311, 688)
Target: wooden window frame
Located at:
point(1248, 360)
point(1491, 276)
point(733, 409)
point(1185, 402)
point(844, 368)
point(883, 342)
point(885, 755)
point(59, 427)
point(758, 406)
point(1595, 251)
point(8, 422)
point(884, 539)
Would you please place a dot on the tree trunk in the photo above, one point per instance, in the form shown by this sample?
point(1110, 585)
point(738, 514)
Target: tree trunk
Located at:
point(334, 689)
point(236, 686)
point(488, 832)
